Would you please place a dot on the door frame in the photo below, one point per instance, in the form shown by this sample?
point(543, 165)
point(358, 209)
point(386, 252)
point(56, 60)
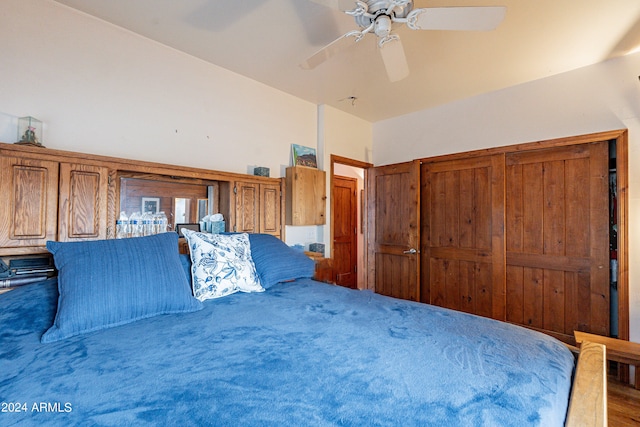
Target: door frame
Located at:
point(358, 164)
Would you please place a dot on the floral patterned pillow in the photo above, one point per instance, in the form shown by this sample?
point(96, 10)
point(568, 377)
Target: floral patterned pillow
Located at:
point(221, 264)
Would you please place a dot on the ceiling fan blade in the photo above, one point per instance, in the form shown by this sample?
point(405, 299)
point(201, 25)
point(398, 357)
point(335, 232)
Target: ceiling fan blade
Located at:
point(394, 58)
point(341, 5)
point(331, 49)
point(456, 18)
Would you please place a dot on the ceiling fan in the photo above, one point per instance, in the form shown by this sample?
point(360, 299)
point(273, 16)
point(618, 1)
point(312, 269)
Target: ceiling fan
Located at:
point(380, 16)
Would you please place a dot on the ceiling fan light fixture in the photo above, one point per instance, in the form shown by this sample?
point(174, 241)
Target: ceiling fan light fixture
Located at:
point(382, 26)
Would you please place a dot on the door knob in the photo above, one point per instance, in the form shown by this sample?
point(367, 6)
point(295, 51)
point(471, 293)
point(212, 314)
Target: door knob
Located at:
point(411, 251)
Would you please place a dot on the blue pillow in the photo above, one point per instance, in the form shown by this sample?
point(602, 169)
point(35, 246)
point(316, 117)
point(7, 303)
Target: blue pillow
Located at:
point(107, 283)
point(185, 261)
point(276, 262)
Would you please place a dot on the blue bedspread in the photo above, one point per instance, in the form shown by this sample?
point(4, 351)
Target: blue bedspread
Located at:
point(301, 353)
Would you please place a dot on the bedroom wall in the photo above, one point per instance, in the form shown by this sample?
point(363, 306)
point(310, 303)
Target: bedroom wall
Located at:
point(103, 90)
point(597, 98)
point(343, 135)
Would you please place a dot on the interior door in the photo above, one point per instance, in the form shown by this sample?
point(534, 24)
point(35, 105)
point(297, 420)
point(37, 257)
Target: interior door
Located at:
point(344, 221)
point(393, 230)
point(557, 239)
point(462, 261)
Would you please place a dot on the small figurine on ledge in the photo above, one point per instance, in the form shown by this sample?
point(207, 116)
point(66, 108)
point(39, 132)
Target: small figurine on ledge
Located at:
point(29, 131)
point(30, 136)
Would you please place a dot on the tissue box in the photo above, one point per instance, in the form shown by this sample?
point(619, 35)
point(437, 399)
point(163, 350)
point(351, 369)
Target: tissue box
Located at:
point(316, 247)
point(216, 227)
point(261, 171)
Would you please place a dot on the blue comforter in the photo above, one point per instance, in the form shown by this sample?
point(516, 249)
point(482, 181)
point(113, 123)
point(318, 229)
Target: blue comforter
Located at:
point(301, 353)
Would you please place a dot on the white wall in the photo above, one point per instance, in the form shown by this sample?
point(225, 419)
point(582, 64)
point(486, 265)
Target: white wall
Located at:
point(597, 98)
point(104, 90)
point(101, 89)
point(343, 135)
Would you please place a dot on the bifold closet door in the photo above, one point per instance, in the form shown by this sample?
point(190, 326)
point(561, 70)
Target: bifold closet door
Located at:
point(557, 239)
point(462, 237)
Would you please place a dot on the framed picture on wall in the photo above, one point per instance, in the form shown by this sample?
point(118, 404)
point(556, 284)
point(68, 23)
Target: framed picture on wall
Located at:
point(151, 205)
point(304, 156)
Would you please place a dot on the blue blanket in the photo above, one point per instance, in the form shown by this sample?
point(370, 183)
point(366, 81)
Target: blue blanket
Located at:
point(301, 353)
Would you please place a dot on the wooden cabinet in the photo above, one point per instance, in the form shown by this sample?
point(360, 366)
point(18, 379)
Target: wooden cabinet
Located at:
point(306, 196)
point(83, 202)
point(29, 208)
point(257, 207)
point(59, 195)
point(49, 200)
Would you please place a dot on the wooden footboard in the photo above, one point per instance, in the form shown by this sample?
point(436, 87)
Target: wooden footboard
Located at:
point(588, 403)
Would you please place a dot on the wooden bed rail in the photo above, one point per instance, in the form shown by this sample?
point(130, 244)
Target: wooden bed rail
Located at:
point(588, 403)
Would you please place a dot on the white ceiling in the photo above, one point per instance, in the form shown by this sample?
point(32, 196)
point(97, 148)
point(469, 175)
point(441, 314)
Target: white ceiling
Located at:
point(266, 40)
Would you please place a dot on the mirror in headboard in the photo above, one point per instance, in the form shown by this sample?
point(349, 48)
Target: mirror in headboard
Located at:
point(183, 200)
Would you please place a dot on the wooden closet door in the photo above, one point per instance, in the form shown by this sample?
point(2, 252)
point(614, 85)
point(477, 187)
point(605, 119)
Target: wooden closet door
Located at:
point(462, 262)
point(393, 230)
point(557, 239)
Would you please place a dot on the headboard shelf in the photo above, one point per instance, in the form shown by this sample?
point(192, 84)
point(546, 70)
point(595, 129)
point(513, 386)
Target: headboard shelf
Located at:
point(61, 195)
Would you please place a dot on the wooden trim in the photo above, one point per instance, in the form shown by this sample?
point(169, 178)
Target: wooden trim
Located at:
point(350, 162)
point(357, 164)
point(559, 262)
point(126, 165)
point(588, 402)
point(537, 145)
point(498, 237)
point(622, 169)
point(617, 350)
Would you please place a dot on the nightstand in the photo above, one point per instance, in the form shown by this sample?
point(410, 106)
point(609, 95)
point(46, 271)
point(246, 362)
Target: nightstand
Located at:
point(324, 270)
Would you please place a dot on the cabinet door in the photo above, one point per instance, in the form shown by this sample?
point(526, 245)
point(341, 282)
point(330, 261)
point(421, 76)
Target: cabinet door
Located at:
point(83, 202)
point(247, 196)
point(28, 212)
point(306, 196)
point(270, 209)
point(258, 208)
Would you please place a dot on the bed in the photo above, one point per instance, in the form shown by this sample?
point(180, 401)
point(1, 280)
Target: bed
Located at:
point(292, 351)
